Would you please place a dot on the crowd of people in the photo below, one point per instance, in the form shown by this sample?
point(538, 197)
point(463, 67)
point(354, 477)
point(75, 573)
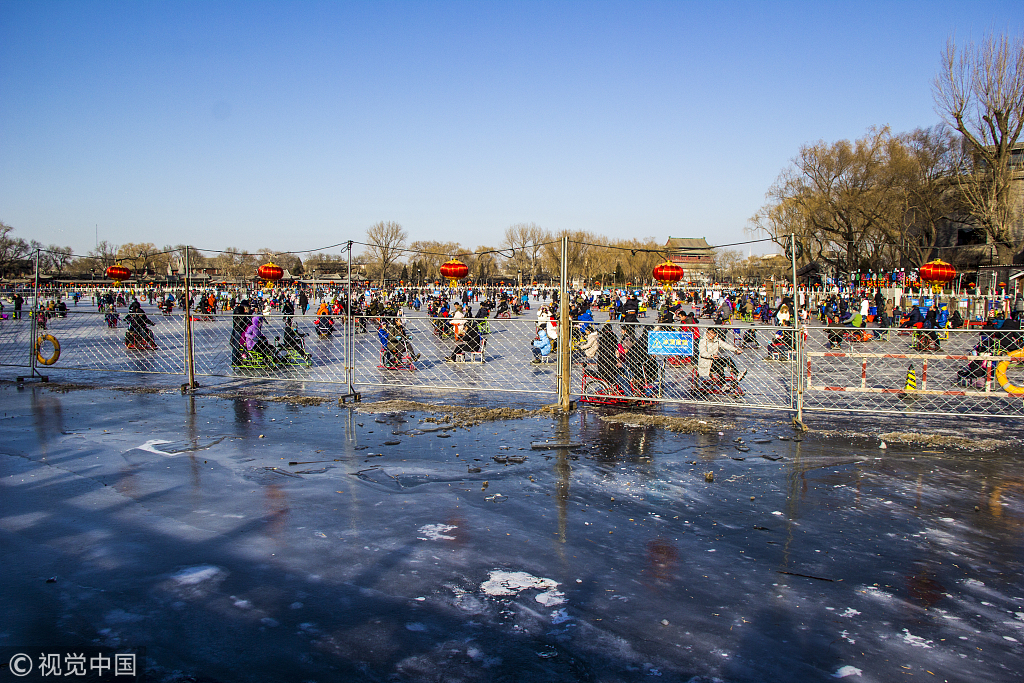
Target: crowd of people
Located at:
point(614, 350)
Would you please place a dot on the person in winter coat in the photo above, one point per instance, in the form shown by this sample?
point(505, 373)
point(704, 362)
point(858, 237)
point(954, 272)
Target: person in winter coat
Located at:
point(239, 321)
point(590, 343)
point(708, 360)
point(541, 346)
point(253, 339)
point(608, 355)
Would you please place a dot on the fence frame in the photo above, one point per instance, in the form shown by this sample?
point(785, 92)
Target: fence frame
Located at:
point(799, 380)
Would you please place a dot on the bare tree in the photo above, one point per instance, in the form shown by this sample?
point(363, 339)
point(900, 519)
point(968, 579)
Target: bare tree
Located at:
point(484, 262)
point(236, 263)
point(386, 243)
point(524, 242)
point(12, 249)
point(430, 254)
point(841, 200)
point(728, 262)
point(58, 258)
point(579, 250)
point(105, 254)
point(140, 257)
point(979, 92)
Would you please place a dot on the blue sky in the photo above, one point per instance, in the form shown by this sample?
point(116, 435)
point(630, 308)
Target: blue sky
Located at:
point(293, 125)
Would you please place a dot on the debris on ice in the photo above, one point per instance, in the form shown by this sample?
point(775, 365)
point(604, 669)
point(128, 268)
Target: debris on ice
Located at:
point(436, 532)
point(501, 582)
point(845, 671)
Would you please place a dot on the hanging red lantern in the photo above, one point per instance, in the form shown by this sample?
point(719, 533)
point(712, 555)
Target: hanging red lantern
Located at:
point(454, 270)
point(270, 272)
point(668, 273)
point(118, 273)
point(937, 273)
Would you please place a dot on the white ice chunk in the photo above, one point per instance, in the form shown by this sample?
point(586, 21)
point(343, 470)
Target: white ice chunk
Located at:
point(560, 616)
point(436, 532)
point(844, 671)
point(193, 575)
point(501, 582)
point(916, 641)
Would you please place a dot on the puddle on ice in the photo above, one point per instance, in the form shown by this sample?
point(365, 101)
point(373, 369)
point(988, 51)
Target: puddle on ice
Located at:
point(511, 583)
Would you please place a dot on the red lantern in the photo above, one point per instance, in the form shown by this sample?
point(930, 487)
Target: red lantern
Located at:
point(270, 272)
point(668, 273)
point(937, 273)
point(117, 273)
point(454, 270)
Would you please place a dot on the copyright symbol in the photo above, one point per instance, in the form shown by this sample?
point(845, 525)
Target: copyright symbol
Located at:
point(21, 664)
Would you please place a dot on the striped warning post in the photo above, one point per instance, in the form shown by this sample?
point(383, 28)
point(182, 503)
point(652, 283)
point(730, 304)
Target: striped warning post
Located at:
point(911, 384)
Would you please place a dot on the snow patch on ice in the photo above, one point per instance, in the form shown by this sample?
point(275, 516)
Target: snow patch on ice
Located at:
point(974, 583)
point(846, 636)
point(844, 671)
point(501, 582)
point(151, 447)
point(193, 575)
point(849, 613)
point(777, 513)
point(560, 616)
point(436, 532)
point(415, 626)
point(916, 641)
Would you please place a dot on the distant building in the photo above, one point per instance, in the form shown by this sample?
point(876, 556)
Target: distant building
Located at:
point(694, 255)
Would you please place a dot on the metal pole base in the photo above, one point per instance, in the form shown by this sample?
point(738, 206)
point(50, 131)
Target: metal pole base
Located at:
point(34, 377)
point(353, 397)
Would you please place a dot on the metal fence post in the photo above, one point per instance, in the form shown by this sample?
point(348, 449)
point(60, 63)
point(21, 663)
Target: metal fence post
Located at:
point(190, 369)
point(798, 375)
point(33, 342)
point(349, 334)
point(565, 331)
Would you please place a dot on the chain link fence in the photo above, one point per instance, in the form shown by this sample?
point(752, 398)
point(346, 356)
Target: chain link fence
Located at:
point(16, 341)
point(911, 371)
point(928, 372)
point(630, 363)
point(99, 342)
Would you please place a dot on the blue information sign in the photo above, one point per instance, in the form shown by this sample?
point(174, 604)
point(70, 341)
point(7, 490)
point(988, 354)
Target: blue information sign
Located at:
point(670, 343)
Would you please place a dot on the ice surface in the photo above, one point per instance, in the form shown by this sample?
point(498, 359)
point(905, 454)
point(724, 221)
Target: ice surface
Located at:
point(400, 568)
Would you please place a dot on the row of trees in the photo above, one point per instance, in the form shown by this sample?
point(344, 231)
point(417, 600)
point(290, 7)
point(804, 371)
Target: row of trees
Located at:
point(526, 251)
point(890, 200)
point(16, 251)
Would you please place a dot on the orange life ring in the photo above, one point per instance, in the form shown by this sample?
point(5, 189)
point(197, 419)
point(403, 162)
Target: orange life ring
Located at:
point(1004, 382)
point(56, 349)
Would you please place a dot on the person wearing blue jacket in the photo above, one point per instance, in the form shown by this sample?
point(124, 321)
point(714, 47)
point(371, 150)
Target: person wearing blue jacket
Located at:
point(541, 346)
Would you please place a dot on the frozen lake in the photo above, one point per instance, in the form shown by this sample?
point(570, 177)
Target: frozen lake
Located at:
point(401, 549)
